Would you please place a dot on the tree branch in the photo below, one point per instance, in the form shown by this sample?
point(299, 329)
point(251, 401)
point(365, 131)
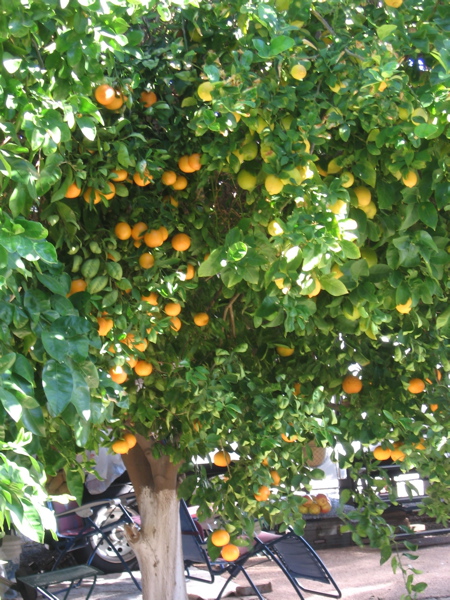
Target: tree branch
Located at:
point(331, 30)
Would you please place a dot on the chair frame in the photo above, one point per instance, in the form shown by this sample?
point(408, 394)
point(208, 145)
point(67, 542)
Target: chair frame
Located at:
point(90, 528)
point(270, 550)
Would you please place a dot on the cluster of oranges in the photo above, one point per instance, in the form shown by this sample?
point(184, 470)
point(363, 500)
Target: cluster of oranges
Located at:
point(221, 539)
point(125, 444)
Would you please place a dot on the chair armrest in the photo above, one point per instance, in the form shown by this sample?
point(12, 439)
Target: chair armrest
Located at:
point(85, 510)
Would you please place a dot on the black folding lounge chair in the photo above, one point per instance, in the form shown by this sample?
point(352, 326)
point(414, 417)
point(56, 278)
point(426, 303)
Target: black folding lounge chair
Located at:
point(298, 561)
point(194, 553)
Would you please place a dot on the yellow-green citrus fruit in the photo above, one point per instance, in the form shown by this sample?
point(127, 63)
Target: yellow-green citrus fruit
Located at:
point(274, 228)
point(283, 351)
point(410, 179)
point(273, 185)
point(246, 180)
point(347, 179)
point(298, 72)
point(363, 194)
point(204, 91)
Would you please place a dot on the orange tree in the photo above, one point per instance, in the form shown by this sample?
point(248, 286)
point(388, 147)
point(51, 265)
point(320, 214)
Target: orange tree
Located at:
point(249, 206)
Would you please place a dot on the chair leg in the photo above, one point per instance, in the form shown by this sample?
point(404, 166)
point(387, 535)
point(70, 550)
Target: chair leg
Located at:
point(233, 573)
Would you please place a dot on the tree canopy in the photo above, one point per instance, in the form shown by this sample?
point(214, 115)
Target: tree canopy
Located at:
point(289, 162)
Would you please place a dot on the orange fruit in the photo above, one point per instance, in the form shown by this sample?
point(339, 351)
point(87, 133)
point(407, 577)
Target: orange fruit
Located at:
point(137, 231)
point(265, 462)
point(90, 193)
point(416, 386)
point(175, 324)
point(183, 164)
point(143, 368)
point(77, 285)
point(275, 477)
point(73, 191)
point(398, 454)
point(190, 272)
point(104, 325)
point(112, 193)
point(164, 232)
point(221, 458)
point(148, 98)
point(120, 447)
point(194, 161)
point(105, 94)
point(119, 175)
point(144, 180)
point(180, 183)
point(130, 440)
point(116, 103)
point(351, 384)
point(168, 177)
point(181, 242)
point(153, 238)
point(152, 298)
point(201, 319)
point(420, 445)
point(283, 351)
point(263, 494)
point(146, 260)
point(382, 454)
point(434, 407)
point(220, 537)
point(118, 375)
point(230, 552)
point(297, 388)
point(172, 309)
point(438, 375)
point(131, 361)
point(122, 231)
point(141, 346)
point(289, 439)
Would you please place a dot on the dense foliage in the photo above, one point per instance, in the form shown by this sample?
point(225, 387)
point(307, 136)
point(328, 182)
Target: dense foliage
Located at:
point(317, 221)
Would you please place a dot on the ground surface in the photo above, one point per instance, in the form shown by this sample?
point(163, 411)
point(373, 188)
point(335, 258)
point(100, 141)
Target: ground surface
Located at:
point(357, 572)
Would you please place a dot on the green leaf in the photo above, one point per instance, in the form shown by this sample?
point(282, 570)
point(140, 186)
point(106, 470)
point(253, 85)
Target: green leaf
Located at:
point(428, 214)
point(333, 286)
point(268, 307)
point(7, 361)
point(75, 483)
point(237, 251)
point(59, 284)
point(350, 249)
point(365, 171)
point(88, 128)
point(425, 130)
point(11, 63)
point(57, 381)
point(211, 266)
point(385, 31)
point(11, 404)
point(277, 45)
point(442, 319)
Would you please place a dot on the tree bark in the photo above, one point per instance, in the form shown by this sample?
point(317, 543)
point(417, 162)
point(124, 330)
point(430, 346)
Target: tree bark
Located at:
point(157, 544)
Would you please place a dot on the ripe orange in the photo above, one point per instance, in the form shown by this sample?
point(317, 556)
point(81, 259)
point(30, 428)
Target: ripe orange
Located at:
point(420, 445)
point(222, 458)
point(183, 164)
point(148, 98)
point(265, 462)
point(105, 94)
point(175, 324)
point(416, 386)
point(137, 231)
point(181, 242)
point(263, 494)
point(112, 193)
point(194, 161)
point(201, 319)
point(77, 285)
point(122, 231)
point(90, 193)
point(297, 388)
point(434, 407)
point(73, 191)
point(104, 325)
point(438, 375)
point(119, 175)
point(152, 298)
point(141, 346)
point(351, 384)
point(164, 232)
point(275, 477)
point(190, 272)
point(153, 238)
point(180, 183)
point(382, 454)
point(220, 537)
point(398, 454)
point(230, 552)
point(130, 439)
point(169, 177)
point(142, 181)
point(289, 439)
point(131, 361)
point(143, 368)
point(146, 260)
point(120, 447)
point(116, 103)
point(283, 351)
point(172, 309)
point(118, 375)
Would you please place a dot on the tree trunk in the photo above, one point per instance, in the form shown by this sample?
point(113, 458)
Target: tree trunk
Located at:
point(157, 543)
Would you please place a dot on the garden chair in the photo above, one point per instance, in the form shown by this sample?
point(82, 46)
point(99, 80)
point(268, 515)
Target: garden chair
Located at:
point(78, 529)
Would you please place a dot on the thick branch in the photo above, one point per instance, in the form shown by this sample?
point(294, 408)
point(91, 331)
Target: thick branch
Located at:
point(138, 469)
